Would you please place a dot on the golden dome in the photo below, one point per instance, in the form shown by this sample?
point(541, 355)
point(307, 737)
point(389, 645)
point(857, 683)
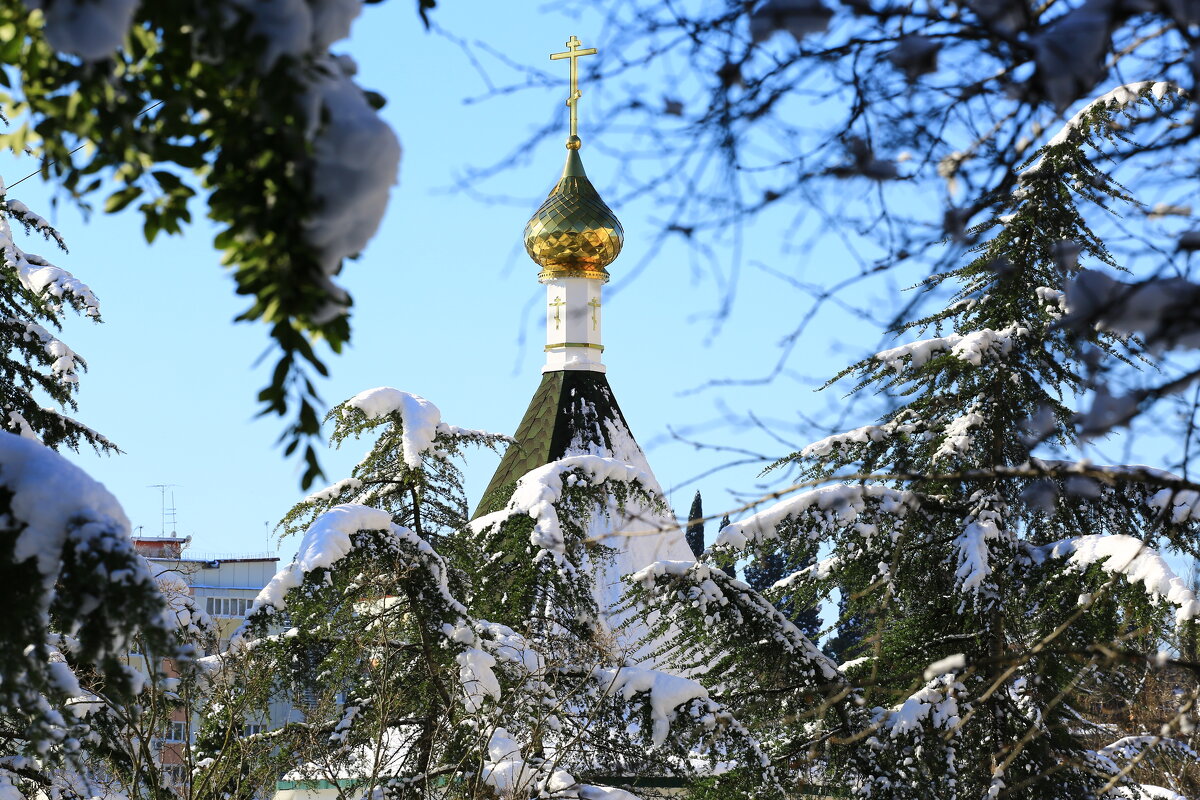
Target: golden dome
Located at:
point(573, 234)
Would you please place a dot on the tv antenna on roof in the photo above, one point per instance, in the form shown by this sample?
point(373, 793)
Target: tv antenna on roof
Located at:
point(167, 513)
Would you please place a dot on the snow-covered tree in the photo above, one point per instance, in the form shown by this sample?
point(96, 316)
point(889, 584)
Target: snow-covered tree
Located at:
point(418, 484)
point(76, 591)
point(78, 597)
point(998, 592)
point(35, 365)
point(469, 661)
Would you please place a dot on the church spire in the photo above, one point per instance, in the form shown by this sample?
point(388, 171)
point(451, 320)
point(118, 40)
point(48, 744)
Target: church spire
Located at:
point(573, 237)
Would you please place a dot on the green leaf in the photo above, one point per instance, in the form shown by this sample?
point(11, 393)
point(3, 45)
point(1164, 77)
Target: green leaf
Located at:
point(167, 180)
point(119, 199)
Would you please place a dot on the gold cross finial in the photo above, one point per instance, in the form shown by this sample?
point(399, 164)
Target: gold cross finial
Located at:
point(574, 53)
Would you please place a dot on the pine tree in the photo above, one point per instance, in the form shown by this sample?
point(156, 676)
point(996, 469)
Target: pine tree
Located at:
point(695, 526)
point(33, 361)
point(475, 660)
point(996, 590)
point(76, 591)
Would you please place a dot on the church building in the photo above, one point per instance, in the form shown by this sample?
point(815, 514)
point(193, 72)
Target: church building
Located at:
point(573, 237)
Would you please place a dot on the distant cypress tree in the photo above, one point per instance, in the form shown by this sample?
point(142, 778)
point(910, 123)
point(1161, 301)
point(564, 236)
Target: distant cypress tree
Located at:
point(727, 563)
point(695, 526)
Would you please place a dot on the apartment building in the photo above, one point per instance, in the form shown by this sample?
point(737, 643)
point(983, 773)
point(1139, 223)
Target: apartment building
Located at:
point(224, 585)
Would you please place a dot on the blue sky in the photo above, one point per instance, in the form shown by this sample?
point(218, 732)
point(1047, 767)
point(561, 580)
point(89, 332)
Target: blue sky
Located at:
point(445, 301)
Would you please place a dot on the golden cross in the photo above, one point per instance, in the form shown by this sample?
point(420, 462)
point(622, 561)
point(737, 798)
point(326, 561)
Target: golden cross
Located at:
point(574, 53)
point(595, 304)
point(557, 303)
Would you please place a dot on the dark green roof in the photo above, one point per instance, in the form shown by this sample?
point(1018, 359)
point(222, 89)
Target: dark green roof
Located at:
point(568, 406)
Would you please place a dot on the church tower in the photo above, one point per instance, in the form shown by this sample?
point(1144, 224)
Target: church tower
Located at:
point(573, 237)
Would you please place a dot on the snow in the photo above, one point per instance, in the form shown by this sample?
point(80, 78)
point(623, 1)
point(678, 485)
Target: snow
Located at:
point(325, 542)
point(1055, 298)
point(330, 492)
point(9, 790)
point(1116, 99)
point(1128, 747)
point(91, 29)
point(53, 498)
point(863, 435)
point(958, 439)
point(642, 533)
point(328, 540)
point(505, 769)
point(934, 702)
point(384, 756)
point(667, 693)
point(1138, 562)
point(64, 358)
point(942, 666)
point(1148, 792)
point(508, 645)
point(1161, 310)
point(357, 157)
point(587, 792)
point(969, 347)
point(708, 595)
point(41, 277)
point(1184, 504)
point(974, 564)
point(21, 426)
point(297, 27)
point(839, 504)
point(1069, 52)
point(355, 154)
point(476, 678)
point(539, 489)
point(419, 417)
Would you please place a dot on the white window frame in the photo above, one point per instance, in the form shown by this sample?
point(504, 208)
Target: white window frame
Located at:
point(175, 773)
point(176, 731)
point(227, 605)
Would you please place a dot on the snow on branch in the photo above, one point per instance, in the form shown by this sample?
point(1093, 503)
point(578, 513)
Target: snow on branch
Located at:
point(329, 539)
point(835, 505)
point(1180, 505)
point(419, 417)
point(934, 703)
point(1138, 562)
point(51, 497)
point(333, 490)
point(665, 693)
point(91, 29)
point(1076, 129)
point(510, 775)
point(974, 556)
point(421, 422)
point(539, 491)
point(970, 347)
point(712, 593)
point(63, 358)
point(1163, 311)
point(40, 276)
point(864, 435)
